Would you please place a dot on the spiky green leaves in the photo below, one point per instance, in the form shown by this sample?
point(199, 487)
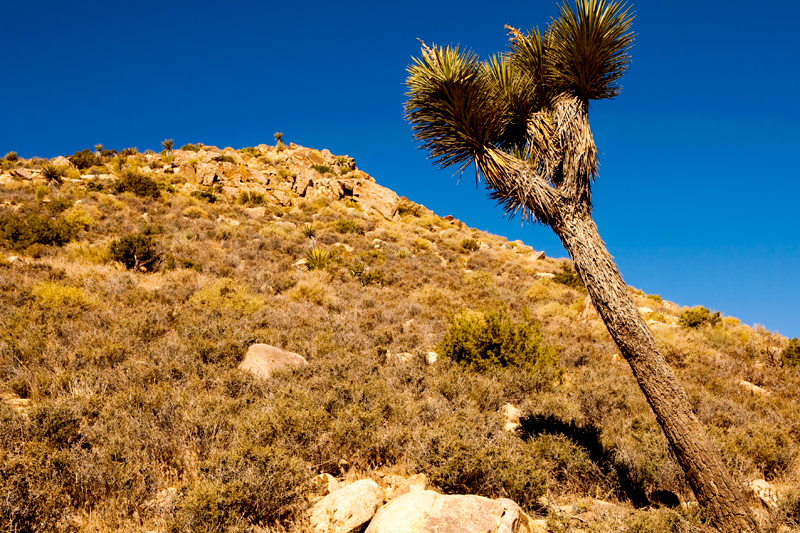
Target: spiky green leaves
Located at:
point(522, 116)
point(588, 47)
point(451, 106)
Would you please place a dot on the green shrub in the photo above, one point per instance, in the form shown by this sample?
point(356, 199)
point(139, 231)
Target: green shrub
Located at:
point(317, 258)
point(93, 186)
point(20, 233)
point(284, 173)
point(482, 341)
point(344, 225)
point(136, 252)
point(190, 148)
point(85, 159)
point(791, 354)
point(698, 316)
point(407, 207)
point(251, 198)
point(789, 503)
point(53, 295)
point(570, 278)
point(227, 158)
point(206, 195)
point(139, 184)
point(129, 151)
point(470, 245)
point(11, 156)
point(58, 205)
point(372, 277)
point(322, 169)
point(172, 262)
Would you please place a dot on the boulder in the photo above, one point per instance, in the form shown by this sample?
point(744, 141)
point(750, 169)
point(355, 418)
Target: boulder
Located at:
point(285, 225)
point(281, 198)
point(62, 161)
point(373, 198)
point(346, 247)
point(644, 310)
point(302, 182)
point(330, 483)
point(23, 173)
point(399, 485)
point(589, 312)
point(308, 155)
point(535, 256)
point(511, 415)
point(205, 173)
point(226, 220)
point(545, 275)
point(347, 509)
point(763, 492)
point(256, 212)
point(431, 357)
point(263, 359)
point(430, 512)
point(755, 389)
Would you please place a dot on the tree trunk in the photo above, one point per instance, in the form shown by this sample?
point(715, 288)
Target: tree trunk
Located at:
point(704, 469)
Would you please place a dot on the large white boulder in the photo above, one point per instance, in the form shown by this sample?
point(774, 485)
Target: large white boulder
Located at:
point(347, 509)
point(263, 359)
point(430, 512)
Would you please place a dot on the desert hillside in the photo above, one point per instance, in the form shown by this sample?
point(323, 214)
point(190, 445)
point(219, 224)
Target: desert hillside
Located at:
point(224, 340)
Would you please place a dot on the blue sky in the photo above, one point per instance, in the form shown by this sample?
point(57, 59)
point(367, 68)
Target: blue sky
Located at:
point(698, 184)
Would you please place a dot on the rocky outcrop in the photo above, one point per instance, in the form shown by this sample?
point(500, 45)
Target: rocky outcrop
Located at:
point(263, 359)
point(430, 512)
point(347, 509)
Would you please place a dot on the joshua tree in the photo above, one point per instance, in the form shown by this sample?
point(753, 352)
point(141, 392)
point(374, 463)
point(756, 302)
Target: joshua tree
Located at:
point(522, 117)
point(98, 150)
point(167, 144)
point(278, 137)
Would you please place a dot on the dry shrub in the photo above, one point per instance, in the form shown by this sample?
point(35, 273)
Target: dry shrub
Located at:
point(544, 290)
point(194, 211)
point(313, 288)
point(227, 294)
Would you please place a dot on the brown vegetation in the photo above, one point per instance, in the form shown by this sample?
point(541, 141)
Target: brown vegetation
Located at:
point(134, 388)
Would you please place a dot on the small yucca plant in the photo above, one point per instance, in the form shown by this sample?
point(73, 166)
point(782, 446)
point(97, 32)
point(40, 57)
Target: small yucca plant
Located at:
point(317, 258)
point(309, 231)
point(51, 173)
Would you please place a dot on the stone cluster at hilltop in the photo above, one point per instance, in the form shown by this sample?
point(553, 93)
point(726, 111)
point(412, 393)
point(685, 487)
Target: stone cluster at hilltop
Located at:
point(285, 175)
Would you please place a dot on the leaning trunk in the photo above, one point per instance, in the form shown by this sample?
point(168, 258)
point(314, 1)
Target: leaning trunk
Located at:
point(704, 469)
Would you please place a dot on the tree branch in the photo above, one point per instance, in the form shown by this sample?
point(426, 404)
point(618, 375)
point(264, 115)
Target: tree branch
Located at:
point(518, 187)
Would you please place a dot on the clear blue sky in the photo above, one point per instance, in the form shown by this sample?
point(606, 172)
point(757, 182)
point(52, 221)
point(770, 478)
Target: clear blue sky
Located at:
point(698, 188)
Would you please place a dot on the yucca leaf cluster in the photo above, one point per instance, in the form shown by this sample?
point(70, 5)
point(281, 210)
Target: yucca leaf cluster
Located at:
point(528, 104)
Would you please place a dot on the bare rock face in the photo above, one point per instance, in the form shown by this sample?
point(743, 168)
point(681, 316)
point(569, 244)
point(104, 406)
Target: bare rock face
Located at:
point(430, 512)
point(511, 415)
point(347, 509)
point(763, 492)
point(263, 359)
point(374, 198)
